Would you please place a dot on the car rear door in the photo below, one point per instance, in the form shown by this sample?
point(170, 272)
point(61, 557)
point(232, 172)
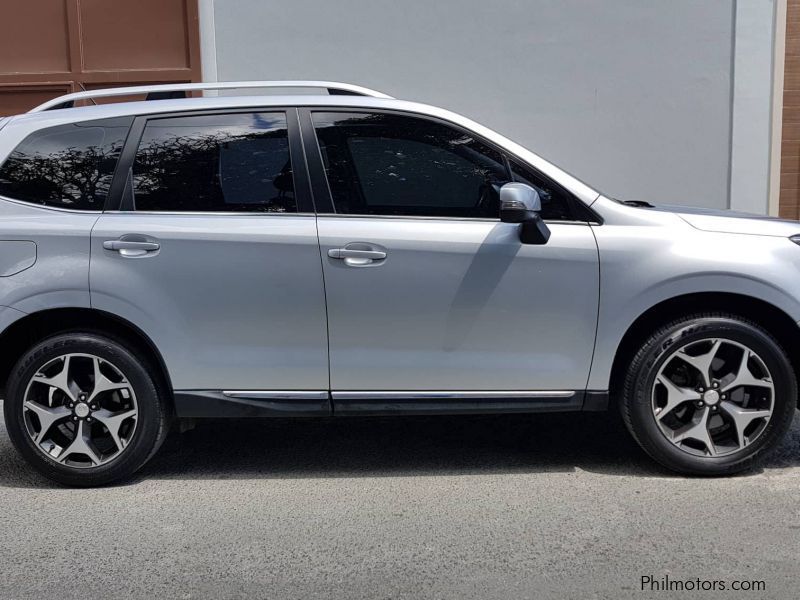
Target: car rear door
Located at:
point(432, 301)
point(213, 254)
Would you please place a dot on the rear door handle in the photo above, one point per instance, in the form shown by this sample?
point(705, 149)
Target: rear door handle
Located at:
point(131, 248)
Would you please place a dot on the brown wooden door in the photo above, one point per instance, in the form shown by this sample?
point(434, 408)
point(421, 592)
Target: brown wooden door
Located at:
point(53, 47)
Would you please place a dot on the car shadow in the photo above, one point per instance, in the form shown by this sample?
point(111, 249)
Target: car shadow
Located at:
point(397, 447)
point(488, 266)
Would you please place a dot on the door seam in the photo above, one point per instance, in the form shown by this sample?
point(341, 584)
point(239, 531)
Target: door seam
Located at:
point(319, 250)
point(89, 269)
point(597, 318)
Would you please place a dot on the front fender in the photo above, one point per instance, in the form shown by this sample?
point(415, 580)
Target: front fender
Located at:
point(640, 269)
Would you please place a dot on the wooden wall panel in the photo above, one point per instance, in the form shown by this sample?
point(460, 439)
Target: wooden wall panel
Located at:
point(109, 43)
point(789, 206)
point(15, 99)
point(34, 38)
point(52, 47)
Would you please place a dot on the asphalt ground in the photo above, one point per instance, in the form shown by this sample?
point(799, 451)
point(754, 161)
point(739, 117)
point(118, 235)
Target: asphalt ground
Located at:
point(533, 506)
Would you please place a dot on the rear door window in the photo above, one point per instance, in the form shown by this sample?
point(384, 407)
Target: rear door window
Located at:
point(236, 162)
point(67, 166)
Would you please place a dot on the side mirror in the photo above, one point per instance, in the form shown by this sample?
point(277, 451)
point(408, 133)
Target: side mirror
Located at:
point(520, 203)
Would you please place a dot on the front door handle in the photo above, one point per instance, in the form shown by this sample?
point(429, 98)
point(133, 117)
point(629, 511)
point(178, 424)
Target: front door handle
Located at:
point(131, 248)
point(358, 254)
point(347, 253)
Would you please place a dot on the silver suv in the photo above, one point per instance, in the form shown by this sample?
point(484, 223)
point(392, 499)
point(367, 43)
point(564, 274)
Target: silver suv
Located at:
point(348, 254)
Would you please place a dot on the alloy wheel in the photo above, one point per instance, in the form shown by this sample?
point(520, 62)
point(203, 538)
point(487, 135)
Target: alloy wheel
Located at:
point(713, 397)
point(80, 410)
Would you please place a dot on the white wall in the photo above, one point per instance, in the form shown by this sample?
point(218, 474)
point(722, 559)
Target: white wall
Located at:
point(752, 105)
point(634, 96)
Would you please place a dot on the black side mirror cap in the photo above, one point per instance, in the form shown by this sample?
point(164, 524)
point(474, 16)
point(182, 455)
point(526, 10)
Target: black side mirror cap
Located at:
point(534, 231)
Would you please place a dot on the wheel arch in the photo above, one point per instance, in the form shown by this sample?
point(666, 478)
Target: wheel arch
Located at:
point(779, 324)
point(33, 327)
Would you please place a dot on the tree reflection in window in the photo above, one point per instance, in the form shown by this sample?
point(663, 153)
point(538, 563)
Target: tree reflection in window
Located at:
point(215, 163)
point(68, 166)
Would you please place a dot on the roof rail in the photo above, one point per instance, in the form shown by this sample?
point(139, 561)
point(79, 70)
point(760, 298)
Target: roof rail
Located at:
point(159, 92)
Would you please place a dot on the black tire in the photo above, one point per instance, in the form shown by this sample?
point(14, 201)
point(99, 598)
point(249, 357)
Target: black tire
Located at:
point(152, 422)
point(636, 399)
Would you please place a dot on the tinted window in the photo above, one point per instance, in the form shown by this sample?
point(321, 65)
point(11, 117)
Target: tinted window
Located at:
point(233, 162)
point(68, 166)
point(555, 202)
point(398, 165)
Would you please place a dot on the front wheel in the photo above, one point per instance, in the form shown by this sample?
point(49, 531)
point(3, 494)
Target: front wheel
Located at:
point(709, 394)
point(83, 410)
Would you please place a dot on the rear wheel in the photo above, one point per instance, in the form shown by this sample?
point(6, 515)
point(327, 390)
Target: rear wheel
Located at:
point(83, 410)
point(709, 394)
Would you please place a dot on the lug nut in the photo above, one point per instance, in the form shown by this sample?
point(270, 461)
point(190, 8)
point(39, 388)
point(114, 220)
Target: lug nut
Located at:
point(715, 384)
point(700, 389)
point(94, 407)
point(74, 418)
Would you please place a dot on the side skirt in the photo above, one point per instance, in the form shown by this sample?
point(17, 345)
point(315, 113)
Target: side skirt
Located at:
point(453, 403)
point(250, 403)
point(291, 403)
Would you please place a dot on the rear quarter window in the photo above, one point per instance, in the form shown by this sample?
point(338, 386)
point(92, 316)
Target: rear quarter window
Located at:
point(67, 166)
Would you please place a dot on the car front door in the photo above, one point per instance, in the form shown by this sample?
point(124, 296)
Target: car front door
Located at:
point(213, 254)
point(432, 301)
